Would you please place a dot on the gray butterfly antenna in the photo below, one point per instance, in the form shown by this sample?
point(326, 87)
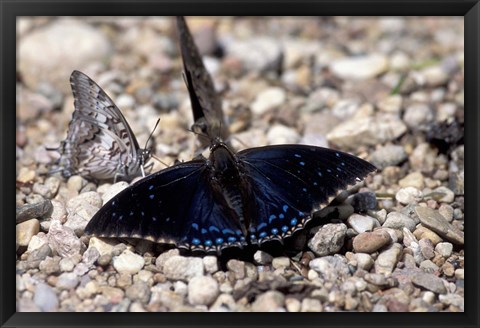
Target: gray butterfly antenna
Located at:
point(146, 153)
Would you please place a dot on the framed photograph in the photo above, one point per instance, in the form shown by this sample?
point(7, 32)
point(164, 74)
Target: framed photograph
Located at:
point(279, 157)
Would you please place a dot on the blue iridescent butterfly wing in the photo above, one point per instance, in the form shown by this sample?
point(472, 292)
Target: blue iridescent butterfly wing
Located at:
point(290, 182)
point(178, 206)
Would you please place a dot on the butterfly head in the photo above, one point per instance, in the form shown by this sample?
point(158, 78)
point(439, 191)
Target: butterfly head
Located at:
point(144, 155)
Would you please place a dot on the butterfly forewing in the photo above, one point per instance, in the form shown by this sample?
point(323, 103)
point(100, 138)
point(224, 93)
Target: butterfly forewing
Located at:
point(290, 182)
point(178, 206)
point(94, 102)
point(205, 102)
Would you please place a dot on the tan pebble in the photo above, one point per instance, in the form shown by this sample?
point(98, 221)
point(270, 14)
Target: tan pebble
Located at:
point(422, 232)
point(26, 230)
point(25, 175)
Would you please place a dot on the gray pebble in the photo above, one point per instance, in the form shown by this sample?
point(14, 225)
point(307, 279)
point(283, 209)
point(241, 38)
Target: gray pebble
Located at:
point(444, 249)
point(359, 68)
point(446, 211)
point(453, 299)
point(428, 281)
point(281, 262)
point(361, 223)
point(280, 134)
point(80, 269)
point(45, 298)
point(63, 240)
point(376, 279)
point(429, 267)
point(66, 264)
point(202, 290)
point(128, 262)
point(417, 115)
point(90, 256)
point(90, 197)
point(311, 305)
point(257, 53)
point(445, 195)
point(271, 301)
point(38, 255)
point(329, 239)
point(367, 131)
point(237, 267)
point(408, 195)
point(408, 237)
point(50, 265)
point(210, 263)
point(139, 291)
point(262, 258)
point(389, 155)
point(460, 274)
point(364, 261)
point(67, 280)
point(113, 190)
point(331, 267)
point(268, 100)
point(414, 179)
point(390, 104)
point(433, 220)
point(76, 183)
point(181, 288)
point(426, 247)
point(387, 260)
point(32, 211)
point(162, 258)
point(183, 268)
point(397, 220)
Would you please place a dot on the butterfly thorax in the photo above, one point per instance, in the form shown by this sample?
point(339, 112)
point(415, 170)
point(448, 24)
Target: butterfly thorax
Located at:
point(228, 181)
point(224, 166)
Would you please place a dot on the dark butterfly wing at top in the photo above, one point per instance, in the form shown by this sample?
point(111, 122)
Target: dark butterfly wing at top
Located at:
point(178, 205)
point(290, 182)
point(100, 144)
point(206, 104)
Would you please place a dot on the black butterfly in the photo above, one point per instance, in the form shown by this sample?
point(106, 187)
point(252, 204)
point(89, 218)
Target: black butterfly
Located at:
point(230, 200)
point(206, 104)
point(100, 144)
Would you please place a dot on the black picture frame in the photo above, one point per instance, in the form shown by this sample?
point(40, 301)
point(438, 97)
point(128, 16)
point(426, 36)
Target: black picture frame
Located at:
point(10, 9)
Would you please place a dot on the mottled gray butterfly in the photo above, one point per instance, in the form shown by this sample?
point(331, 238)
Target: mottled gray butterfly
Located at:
point(100, 144)
point(206, 103)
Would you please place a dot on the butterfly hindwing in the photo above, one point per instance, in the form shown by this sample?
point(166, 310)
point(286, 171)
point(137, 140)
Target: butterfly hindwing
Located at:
point(290, 182)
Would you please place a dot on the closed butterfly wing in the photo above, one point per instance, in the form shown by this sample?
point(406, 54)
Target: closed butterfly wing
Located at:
point(179, 205)
point(290, 182)
point(100, 144)
point(206, 104)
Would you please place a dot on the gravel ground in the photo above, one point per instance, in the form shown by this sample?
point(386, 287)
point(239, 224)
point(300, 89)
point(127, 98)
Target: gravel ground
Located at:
point(389, 90)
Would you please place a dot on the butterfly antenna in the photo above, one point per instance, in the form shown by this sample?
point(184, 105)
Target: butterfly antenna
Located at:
point(159, 160)
point(197, 133)
point(240, 141)
point(151, 134)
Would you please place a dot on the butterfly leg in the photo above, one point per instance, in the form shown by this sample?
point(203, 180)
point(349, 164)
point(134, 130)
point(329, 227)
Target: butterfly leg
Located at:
point(147, 168)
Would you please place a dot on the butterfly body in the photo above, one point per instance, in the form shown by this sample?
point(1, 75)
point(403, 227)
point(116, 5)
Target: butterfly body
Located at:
point(230, 199)
point(100, 144)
